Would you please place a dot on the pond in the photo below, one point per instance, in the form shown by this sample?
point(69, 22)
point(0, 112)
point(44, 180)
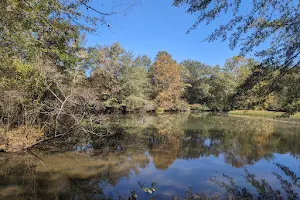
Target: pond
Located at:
point(172, 155)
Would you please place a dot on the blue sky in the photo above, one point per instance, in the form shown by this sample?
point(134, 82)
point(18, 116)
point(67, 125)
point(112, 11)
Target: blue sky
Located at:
point(156, 25)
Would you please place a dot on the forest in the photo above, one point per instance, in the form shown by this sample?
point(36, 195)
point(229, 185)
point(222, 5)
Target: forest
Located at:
point(52, 82)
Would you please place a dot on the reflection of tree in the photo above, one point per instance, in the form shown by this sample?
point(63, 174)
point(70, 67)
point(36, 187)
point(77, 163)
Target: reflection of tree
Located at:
point(166, 137)
point(165, 141)
point(164, 150)
point(67, 175)
point(289, 189)
point(250, 143)
point(241, 141)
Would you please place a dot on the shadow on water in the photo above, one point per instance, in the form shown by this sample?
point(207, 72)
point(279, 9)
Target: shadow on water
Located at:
point(204, 151)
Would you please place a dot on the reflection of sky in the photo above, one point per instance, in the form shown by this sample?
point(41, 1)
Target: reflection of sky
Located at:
point(197, 173)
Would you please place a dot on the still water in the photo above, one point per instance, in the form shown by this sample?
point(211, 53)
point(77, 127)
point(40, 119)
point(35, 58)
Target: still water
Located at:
point(171, 154)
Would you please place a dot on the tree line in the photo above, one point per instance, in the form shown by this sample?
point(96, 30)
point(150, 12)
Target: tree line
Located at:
point(50, 79)
point(110, 79)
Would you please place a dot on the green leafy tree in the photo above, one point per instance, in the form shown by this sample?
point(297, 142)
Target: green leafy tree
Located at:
point(135, 82)
point(275, 23)
point(120, 78)
point(47, 28)
point(106, 72)
point(221, 87)
point(198, 74)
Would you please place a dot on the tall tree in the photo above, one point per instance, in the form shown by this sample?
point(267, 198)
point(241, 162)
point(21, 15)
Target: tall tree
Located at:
point(134, 85)
point(197, 77)
point(239, 68)
point(106, 69)
point(167, 81)
point(120, 78)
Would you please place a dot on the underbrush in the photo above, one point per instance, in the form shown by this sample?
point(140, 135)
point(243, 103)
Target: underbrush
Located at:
point(19, 138)
point(198, 107)
point(295, 116)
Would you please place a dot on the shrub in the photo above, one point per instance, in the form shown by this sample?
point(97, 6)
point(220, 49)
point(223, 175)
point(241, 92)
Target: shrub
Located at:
point(20, 138)
point(135, 103)
point(296, 115)
point(198, 107)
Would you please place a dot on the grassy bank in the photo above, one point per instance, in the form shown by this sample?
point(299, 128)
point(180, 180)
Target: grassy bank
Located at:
point(264, 113)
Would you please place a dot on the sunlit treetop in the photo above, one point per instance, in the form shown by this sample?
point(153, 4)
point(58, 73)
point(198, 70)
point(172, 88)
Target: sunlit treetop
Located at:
point(50, 28)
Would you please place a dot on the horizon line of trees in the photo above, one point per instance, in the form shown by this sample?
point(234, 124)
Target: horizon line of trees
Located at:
point(44, 66)
point(109, 79)
point(134, 82)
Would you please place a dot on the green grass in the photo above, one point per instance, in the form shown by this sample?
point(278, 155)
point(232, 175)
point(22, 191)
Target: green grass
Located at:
point(295, 116)
point(264, 113)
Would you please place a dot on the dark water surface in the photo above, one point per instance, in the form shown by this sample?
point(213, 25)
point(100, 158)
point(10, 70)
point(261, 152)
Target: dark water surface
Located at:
point(175, 151)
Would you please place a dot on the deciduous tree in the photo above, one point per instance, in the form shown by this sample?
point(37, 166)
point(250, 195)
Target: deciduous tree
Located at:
point(167, 81)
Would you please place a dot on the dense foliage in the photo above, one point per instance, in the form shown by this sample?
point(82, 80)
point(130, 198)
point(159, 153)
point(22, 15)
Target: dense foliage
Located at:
point(49, 80)
point(273, 26)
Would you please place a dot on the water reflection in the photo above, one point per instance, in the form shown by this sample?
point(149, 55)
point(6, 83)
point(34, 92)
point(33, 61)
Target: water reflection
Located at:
point(65, 174)
point(290, 184)
point(241, 141)
point(175, 151)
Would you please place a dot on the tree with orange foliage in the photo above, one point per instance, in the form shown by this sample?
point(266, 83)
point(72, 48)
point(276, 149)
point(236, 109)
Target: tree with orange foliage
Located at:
point(167, 82)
